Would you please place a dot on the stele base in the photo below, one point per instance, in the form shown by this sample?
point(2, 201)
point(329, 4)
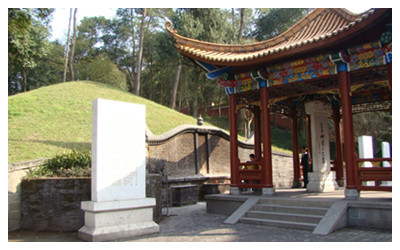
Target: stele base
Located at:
point(115, 220)
point(319, 182)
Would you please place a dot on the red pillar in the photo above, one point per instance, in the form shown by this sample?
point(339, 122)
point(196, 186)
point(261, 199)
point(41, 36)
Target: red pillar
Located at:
point(389, 66)
point(233, 140)
point(257, 133)
point(339, 146)
point(349, 149)
point(295, 149)
point(266, 128)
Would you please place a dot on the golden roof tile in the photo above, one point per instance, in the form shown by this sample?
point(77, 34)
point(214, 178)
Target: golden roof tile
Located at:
point(320, 24)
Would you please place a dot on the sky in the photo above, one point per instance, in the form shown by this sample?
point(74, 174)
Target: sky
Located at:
point(61, 18)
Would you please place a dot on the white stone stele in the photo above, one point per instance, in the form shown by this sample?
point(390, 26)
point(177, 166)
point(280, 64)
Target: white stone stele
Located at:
point(322, 179)
point(119, 207)
point(386, 154)
point(118, 151)
point(366, 151)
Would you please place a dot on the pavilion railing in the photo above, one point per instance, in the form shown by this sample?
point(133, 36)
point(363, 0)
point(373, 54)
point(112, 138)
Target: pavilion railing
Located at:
point(250, 175)
point(374, 174)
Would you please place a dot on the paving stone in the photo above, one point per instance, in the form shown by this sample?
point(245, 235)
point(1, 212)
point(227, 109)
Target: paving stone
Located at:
point(193, 224)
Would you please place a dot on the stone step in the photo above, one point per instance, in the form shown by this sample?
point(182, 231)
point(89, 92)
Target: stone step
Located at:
point(288, 217)
point(322, 203)
point(279, 223)
point(290, 209)
point(289, 213)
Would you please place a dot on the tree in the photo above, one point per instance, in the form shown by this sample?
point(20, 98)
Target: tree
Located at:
point(248, 117)
point(124, 28)
point(71, 57)
point(49, 70)
point(109, 37)
point(212, 25)
point(133, 45)
point(276, 21)
point(102, 69)
point(172, 101)
point(27, 43)
point(209, 25)
point(67, 47)
point(139, 55)
point(241, 23)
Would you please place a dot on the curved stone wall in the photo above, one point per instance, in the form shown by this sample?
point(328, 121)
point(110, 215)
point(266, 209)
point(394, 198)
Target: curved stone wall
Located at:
point(199, 150)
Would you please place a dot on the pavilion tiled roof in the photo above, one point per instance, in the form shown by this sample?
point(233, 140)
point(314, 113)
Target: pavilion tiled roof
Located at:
point(320, 24)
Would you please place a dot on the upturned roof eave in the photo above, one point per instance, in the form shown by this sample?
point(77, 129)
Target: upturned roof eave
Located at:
point(291, 51)
point(264, 44)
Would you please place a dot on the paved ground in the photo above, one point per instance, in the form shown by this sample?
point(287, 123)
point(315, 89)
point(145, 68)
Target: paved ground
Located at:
point(193, 224)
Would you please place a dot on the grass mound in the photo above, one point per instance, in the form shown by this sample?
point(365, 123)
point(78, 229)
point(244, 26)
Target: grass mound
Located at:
point(57, 118)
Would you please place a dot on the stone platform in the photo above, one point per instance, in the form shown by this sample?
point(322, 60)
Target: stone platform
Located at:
point(372, 210)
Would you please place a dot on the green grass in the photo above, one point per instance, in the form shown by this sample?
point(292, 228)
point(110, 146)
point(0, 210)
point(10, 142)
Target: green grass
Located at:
point(57, 118)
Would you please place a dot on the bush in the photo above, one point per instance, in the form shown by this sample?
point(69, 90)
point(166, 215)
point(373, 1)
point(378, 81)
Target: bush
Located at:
point(72, 164)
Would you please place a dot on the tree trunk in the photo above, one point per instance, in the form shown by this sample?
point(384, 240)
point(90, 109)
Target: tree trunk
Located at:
point(233, 16)
point(241, 24)
point(67, 47)
point(172, 101)
point(140, 53)
point(132, 73)
point(194, 106)
point(219, 101)
point(247, 119)
point(71, 57)
point(24, 77)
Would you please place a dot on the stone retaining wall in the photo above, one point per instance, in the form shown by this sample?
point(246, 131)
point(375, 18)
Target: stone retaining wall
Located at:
point(16, 171)
point(53, 204)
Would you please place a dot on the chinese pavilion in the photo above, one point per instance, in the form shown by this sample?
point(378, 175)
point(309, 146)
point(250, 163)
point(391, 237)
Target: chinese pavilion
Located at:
point(329, 65)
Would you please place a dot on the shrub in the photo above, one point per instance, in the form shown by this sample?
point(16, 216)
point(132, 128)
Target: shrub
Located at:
point(71, 164)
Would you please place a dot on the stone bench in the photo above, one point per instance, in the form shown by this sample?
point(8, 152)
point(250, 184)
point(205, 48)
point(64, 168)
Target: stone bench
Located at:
point(184, 195)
